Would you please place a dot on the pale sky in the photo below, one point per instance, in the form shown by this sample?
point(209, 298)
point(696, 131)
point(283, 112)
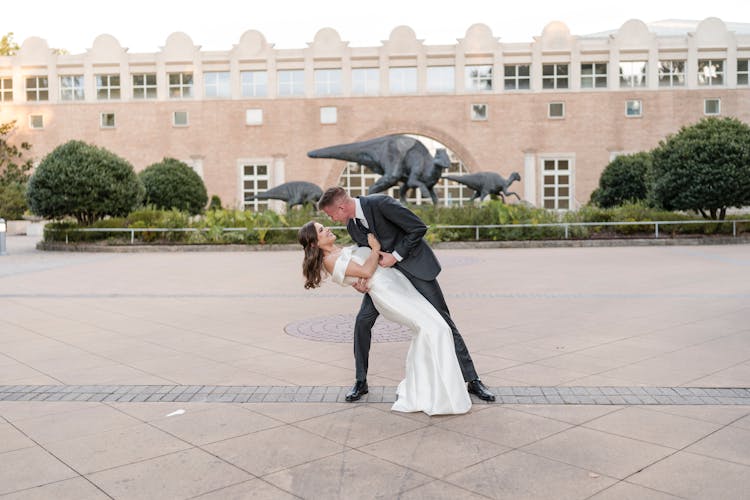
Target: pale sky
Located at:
point(144, 25)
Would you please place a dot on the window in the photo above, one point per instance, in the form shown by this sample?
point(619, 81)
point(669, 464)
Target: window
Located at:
point(594, 75)
point(216, 84)
point(518, 77)
point(479, 112)
point(6, 89)
point(742, 71)
point(554, 76)
point(632, 74)
point(254, 83)
point(710, 72)
point(671, 73)
point(144, 86)
point(180, 118)
point(36, 121)
point(556, 110)
point(107, 87)
point(556, 189)
point(328, 115)
point(633, 108)
point(712, 107)
point(291, 82)
point(327, 82)
point(365, 81)
point(254, 117)
point(403, 80)
point(37, 88)
point(180, 85)
point(478, 78)
point(107, 120)
point(254, 179)
point(71, 88)
point(441, 79)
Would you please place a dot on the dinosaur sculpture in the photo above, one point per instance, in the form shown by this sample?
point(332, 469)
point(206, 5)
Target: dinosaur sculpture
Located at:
point(484, 183)
point(293, 193)
point(397, 158)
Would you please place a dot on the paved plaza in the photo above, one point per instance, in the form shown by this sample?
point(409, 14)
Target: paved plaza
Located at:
point(621, 373)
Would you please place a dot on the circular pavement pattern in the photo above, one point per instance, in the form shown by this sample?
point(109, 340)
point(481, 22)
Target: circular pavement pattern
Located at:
point(340, 328)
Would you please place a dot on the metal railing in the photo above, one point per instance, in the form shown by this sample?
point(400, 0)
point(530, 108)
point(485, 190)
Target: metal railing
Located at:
point(566, 226)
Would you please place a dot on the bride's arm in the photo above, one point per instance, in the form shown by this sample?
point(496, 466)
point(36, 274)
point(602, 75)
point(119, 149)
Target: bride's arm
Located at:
point(364, 270)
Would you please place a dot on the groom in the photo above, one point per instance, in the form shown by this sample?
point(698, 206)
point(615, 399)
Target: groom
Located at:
point(400, 233)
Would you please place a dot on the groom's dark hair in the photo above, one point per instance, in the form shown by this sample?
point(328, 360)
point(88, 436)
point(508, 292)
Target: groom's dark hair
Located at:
point(331, 196)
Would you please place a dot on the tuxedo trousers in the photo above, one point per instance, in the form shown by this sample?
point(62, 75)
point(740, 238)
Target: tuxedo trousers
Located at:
point(367, 315)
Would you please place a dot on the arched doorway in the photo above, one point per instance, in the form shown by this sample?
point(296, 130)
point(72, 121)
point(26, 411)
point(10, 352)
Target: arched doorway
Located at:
point(357, 179)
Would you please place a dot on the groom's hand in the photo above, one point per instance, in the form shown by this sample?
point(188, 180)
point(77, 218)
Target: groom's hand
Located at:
point(361, 285)
point(387, 259)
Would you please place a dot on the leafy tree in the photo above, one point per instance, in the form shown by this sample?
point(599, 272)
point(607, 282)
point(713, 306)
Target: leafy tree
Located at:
point(7, 46)
point(623, 180)
point(14, 174)
point(83, 181)
point(704, 167)
point(173, 184)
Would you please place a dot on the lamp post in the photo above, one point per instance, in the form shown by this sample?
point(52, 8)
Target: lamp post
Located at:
point(3, 230)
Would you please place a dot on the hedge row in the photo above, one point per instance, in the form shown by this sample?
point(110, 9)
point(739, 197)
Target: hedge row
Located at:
point(268, 227)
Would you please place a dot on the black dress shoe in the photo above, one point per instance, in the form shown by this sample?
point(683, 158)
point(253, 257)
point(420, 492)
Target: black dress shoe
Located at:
point(477, 388)
point(358, 390)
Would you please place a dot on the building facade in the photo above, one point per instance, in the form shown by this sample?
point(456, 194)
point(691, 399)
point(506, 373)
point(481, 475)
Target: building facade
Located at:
point(557, 109)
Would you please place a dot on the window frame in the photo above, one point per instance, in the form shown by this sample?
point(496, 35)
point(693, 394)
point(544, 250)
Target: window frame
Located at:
point(561, 116)
point(218, 88)
point(706, 102)
point(6, 89)
point(183, 88)
point(149, 90)
point(707, 80)
point(513, 81)
point(556, 173)
point(402, 80)
point(293, 86)
point(254, 83)
point(556, 77)
point(72, 88)
point(38, 90)
point(668, 75)
point(595, 77)
point(630, 110)
point(631, 80)
point(441, 79)
point(102, 124)
point(328, 82)
point(180, 125)
point(369, 86)
point(109, 88)
point(255, 178)
point(482, 81)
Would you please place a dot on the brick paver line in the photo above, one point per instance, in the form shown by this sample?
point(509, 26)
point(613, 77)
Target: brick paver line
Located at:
point(378, 394)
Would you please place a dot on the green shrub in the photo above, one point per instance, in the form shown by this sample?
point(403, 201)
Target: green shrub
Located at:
point(83, 181)
point(623, 180)
point(215, 203)
point(173, 184)
point(704, 167)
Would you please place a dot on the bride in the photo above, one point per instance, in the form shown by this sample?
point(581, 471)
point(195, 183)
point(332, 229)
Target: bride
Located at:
point(433, 382)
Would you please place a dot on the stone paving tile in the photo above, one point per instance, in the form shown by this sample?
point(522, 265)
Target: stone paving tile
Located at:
point(350, 474)
point(695, 476)
point(729, 443)
point(627, 491)
point(77, 488)
point(30, 467)
point(600, 452)
point(518, 475)
point(254, 489)
point(184, 474)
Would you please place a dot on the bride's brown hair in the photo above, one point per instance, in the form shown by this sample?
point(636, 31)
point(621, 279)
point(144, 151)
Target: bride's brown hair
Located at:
point(312, 264)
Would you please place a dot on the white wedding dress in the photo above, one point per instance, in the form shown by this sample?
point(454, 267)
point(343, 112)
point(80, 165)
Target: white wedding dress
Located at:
point(433, 382)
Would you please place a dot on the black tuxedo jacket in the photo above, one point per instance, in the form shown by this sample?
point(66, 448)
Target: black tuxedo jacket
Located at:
point(398, 229)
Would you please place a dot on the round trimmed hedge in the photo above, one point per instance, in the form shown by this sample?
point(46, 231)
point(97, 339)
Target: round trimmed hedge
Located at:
point(173, 184)
point(83, 181)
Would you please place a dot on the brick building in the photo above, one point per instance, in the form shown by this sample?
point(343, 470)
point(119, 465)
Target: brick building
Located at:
point(556, 109)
